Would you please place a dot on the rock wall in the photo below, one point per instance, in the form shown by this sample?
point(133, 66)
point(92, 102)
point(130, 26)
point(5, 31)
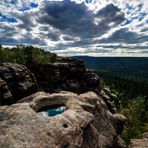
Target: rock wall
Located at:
point(16, 82)
point(70, 74)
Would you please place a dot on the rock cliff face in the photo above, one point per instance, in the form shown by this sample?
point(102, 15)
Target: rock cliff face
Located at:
point(89, 121)
point(70, 75)
point(67, 74)
point(16, 81)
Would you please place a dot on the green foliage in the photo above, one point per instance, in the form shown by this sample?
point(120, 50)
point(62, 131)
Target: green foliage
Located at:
point(26, 54)
point(131, 101)
point(133, 112)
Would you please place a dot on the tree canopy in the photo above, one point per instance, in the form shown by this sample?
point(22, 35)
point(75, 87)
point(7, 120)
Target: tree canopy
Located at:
point(26, 54)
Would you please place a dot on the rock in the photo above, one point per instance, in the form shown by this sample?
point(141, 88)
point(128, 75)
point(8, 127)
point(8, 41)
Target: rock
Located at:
point(49, 73)
point(5, 94)
point(73, 86)
point(109, 102)
point(140, 143)
point(107, 91)
point(70, 74)
point(91, 79)
point(16, 82)
point(120, 119)
point(86, 123)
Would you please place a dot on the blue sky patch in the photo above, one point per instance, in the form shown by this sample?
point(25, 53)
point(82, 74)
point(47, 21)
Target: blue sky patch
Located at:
point(7, 19)
point(88, 1)
point(30, 6)
point(13, 1)
point(33, 5)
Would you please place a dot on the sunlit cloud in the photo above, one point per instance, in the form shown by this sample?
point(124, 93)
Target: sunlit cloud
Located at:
point(77, 27)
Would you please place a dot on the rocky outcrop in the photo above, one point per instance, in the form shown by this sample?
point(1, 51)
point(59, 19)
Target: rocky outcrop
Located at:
point(109, 98)
point(5, 94)
point(16, 82)
point(70, 74)
point(86, 123)
point(140, 143)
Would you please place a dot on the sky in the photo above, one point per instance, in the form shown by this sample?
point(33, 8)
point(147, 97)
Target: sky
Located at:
point(77, 27)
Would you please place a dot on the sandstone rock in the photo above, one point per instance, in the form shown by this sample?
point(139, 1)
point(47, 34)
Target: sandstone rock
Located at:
point(91, 79)
point(17, 81)
point(107, 91)
point(109, 102)
point(49, 73)
point(73, 86)
point(5, 94)
point(140, 143)
point(71, 75)
point(86, 123)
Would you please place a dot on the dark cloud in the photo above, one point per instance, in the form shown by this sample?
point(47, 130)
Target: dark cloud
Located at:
point(8, 41)
point(111, 13)
point(7, 34)
point(123, 35)
point(27, 21)
point(76, 20)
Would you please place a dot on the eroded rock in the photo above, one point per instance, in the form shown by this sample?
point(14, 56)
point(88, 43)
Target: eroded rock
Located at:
point(140, 143)
point(5, 94)
point(70, 74)
point(86, 123)
point(16, 82)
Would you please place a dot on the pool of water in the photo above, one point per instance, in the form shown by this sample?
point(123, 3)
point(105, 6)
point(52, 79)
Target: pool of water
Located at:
point(52, 111)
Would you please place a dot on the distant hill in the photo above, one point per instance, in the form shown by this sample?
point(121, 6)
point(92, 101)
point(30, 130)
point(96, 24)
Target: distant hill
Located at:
point(127, 66)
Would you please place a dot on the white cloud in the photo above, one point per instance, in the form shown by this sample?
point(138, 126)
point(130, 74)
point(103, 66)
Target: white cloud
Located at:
point(98, 28)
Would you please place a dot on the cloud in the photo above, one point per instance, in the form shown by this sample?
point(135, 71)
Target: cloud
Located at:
point(72, 27)
point(125, 36)
point(77, 20)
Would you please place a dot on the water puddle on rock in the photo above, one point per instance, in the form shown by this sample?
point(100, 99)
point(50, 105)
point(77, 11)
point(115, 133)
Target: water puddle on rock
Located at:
point(51, 111)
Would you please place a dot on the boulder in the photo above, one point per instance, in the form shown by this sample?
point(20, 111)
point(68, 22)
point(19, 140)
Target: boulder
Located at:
point(16, 82)
point(107, 91)
point(92, 80)
point(5, 94)
point(73, 86)
point(108, 100)
point(140, 143)
point(86, 122)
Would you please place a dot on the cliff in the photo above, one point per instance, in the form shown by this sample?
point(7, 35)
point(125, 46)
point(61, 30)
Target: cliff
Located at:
point(89, 118)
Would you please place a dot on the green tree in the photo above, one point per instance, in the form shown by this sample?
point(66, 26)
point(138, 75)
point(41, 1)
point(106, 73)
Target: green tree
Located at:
point(26, 54)
point(133, 112)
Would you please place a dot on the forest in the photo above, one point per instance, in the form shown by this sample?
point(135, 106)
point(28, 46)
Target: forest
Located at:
point(132, 101)
point(26, 54)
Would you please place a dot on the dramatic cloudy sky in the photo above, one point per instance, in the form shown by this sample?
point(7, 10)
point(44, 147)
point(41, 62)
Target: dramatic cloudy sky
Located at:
point(77, 27)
